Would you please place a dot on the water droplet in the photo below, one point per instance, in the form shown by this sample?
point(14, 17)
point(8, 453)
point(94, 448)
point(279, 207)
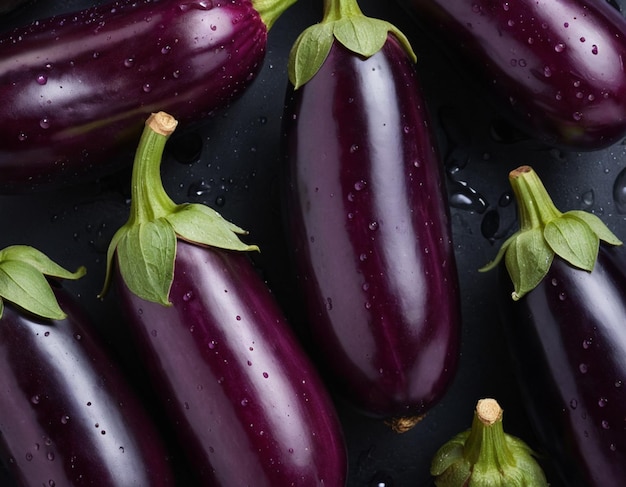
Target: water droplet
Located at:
point(618, 383)
point(359, 185)
point(166, 49)
point(583, 368)
point(566, 25)
point(365, 286)
point(44, 123)
point(129, 62)
point(602, 402)
point(265, 375)
point(582, 39)
point(560, 47)
point(354, 148)
point(329, 304)
point(42, 79)
point(238, 318)
point(147, 88)
point(35, 399)
point(577, 116)
point(594, 49)
point(220, 200)
point(363, 257)
point(29, 456)
point(588, 197)
point(490, 224)
point(373, 226)
point(188, 296)
point(605, 424)
point(562, 296)
point(573, 404)
point(244, 402)
point(154, 333)
point(50, 456)
point(121, 449)
point(249, 363)
point(103, 432)
point(587, 343)
point(199, 188)
point(464, 197)
point(22, 136)
point(65, 419)
point(367, 305)
point(619, 191)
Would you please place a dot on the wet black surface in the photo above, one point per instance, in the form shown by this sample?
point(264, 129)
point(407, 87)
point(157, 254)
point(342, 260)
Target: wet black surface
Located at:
point(232, 163)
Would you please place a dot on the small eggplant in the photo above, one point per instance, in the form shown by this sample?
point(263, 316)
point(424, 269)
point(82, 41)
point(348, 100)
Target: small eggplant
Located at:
point(367, 217)
point(76, 88)
point(486, 456)
point(556, 67)
point(67, 416)
point(565, 319)
point(248, 405)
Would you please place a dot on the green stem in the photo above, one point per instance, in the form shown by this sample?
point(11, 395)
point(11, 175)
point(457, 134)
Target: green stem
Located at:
point(340, 9)
point(271, 10)
point(149, 200)
point(535, 206)
point(486, 444)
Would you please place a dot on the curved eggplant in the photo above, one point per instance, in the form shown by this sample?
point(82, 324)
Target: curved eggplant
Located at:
point(67, 416)
point(554, 65)
point(369, 229)
point(567, 337)
point(76, 88)
point(247, 404)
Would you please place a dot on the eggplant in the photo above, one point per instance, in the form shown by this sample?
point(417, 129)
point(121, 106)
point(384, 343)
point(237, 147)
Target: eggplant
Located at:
point(366, 218)
point(247, 404)
point(77, 87)
point(565, 327)
point(554, 67)
point(67, 415)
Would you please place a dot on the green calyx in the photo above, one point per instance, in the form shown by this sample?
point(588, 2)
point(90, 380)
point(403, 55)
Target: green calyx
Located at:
point(545, 232)
point(270, 10)
point(485, 456)
point(146, 244)
point(23, 282)
point(342, 21)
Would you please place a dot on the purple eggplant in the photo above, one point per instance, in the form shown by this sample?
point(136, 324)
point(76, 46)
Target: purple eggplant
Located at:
point(566, 329)
point(247, 404)
point(367, 217)
point(556, 66)
point(67, 415)
point(76, 88)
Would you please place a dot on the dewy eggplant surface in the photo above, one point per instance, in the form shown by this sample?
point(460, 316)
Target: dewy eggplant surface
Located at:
point(556, 66)
point(566, 325)
point(246, 403)
point(68, 417)
point(77, 87)
point(368, 223)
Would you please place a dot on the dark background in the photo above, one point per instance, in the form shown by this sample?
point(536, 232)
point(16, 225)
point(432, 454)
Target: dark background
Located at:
point(231, 162)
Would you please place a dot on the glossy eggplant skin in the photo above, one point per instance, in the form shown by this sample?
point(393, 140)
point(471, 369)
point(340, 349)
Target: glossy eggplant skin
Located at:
point(77, 88)
point(67, 416)
point(247, 404)
point(554, 65)
point(368, 227)
point(568, 342)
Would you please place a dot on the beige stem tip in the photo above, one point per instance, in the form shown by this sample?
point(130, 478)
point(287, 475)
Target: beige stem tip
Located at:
point(488, 410)
point(162, 123)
